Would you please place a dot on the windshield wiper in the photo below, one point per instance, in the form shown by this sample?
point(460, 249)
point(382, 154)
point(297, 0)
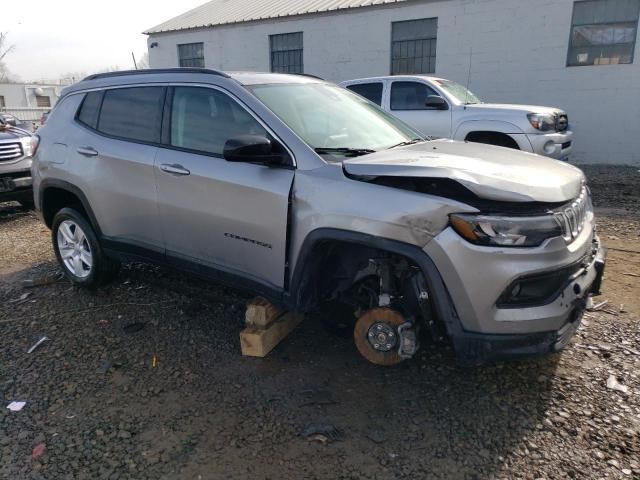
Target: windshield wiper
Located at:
point(409, 142)
point(347, 152)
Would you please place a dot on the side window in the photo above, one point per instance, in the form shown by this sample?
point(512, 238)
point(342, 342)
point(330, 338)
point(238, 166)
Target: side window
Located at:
point(203, 119)
point(132, 113)
point(370, 91)
point(89, 109)
point(410, 95)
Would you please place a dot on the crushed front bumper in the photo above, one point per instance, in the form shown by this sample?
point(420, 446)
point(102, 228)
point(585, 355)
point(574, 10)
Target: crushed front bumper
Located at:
point(473, 279)
point(477, 349)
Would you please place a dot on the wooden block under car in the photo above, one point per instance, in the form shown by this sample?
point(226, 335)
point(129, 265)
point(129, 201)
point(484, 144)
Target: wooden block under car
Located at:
point(261, 313)
point(258, 342)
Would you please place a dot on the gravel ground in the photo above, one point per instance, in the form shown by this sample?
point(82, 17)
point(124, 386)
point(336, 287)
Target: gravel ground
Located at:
point(98, 406)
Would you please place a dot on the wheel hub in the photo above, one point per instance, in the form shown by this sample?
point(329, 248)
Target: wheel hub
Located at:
point(382, 337)
point(377, 337)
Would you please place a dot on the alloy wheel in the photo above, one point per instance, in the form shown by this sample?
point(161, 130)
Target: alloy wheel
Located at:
point(74, 249)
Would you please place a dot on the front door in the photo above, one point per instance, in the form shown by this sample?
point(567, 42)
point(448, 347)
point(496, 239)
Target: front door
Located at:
point(227, 215)
point(407, 102)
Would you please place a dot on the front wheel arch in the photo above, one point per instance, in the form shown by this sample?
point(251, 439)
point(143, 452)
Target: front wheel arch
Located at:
point(300, 296)
point(498, 139)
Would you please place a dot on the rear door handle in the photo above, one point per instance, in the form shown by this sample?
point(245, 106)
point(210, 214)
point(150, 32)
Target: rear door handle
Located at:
point(174, 169)
point(87, 151)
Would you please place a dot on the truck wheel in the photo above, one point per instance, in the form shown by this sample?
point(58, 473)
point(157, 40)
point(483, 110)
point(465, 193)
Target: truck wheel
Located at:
point(78, 251)
point(376, 336)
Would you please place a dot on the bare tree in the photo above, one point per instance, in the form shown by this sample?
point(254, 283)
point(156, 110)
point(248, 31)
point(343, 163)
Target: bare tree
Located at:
point(143, 61)
point(5, 49)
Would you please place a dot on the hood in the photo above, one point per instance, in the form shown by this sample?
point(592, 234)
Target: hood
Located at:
point(13, 133)
point(491, 173)
point(512, 107)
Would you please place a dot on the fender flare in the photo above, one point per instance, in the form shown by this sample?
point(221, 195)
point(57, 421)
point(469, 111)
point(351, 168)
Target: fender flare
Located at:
point(303, 269)
point(497, 126)
point(62, 185)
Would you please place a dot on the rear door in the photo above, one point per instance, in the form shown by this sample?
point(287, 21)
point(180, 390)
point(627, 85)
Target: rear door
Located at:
point(114, 146)
point(372, 91)
point(407, 102)
point(227, 215)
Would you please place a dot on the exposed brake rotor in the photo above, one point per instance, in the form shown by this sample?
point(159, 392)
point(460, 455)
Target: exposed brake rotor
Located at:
point(377, 337)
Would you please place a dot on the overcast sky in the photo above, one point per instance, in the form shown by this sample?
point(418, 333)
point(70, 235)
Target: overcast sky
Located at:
point(53, 38)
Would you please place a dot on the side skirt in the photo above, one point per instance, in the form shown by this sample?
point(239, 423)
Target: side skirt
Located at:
point(127, 251)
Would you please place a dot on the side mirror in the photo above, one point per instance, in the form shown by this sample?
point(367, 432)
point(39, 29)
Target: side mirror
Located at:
point(12, 121)
point(436, 102)
point(252, 149)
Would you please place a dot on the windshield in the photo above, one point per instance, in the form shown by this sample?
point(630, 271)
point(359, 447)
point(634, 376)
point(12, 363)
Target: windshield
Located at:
point(328, 117)
point(462, 94)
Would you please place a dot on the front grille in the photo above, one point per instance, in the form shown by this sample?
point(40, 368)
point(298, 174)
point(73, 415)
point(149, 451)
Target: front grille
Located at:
point(562, 122)
point(573, 216)
point(566, 145)
point(10, 151)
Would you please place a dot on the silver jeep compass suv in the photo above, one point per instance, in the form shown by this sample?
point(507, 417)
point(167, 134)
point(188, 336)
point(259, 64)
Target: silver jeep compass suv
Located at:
point(310, 195)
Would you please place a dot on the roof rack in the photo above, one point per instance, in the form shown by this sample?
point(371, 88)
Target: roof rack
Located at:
point(149, 71)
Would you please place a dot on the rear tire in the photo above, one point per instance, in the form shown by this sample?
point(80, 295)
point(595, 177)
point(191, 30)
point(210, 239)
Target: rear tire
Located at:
point(78, 251)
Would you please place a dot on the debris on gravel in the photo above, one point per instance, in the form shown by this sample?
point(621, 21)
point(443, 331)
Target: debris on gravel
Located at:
point(176, 400)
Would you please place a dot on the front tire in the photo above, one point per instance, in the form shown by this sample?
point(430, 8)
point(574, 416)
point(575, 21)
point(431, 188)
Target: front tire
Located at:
point(78, 251)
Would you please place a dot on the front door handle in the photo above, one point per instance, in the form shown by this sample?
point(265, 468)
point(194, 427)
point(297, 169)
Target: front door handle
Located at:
point(174, 169)
point(87, 151)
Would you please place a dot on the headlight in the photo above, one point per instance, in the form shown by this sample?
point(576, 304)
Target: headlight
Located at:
point(26, 146)
point(542, 121)
point(506, 231)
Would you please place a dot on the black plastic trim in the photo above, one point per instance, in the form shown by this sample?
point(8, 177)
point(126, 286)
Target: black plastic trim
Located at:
point(442, 304)
point(61, 184)
point(129, 250)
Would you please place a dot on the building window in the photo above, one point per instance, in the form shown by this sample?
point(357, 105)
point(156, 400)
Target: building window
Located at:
point(603, 32)
point(286, 53)
point(43, 101)
point(2, 104)
point(413, 46)
point(191, 55)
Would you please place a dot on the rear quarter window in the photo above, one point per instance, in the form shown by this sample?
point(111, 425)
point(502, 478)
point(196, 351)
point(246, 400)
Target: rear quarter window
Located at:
point(89, 109)
point(132, 113)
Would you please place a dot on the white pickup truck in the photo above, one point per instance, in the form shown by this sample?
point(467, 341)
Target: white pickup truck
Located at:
point(444, 109)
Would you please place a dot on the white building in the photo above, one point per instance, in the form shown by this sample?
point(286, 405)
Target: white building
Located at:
point(581, 56)
point(28, 101)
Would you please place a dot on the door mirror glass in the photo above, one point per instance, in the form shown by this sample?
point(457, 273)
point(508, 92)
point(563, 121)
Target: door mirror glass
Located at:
point(436, 102)
point(253, 149)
